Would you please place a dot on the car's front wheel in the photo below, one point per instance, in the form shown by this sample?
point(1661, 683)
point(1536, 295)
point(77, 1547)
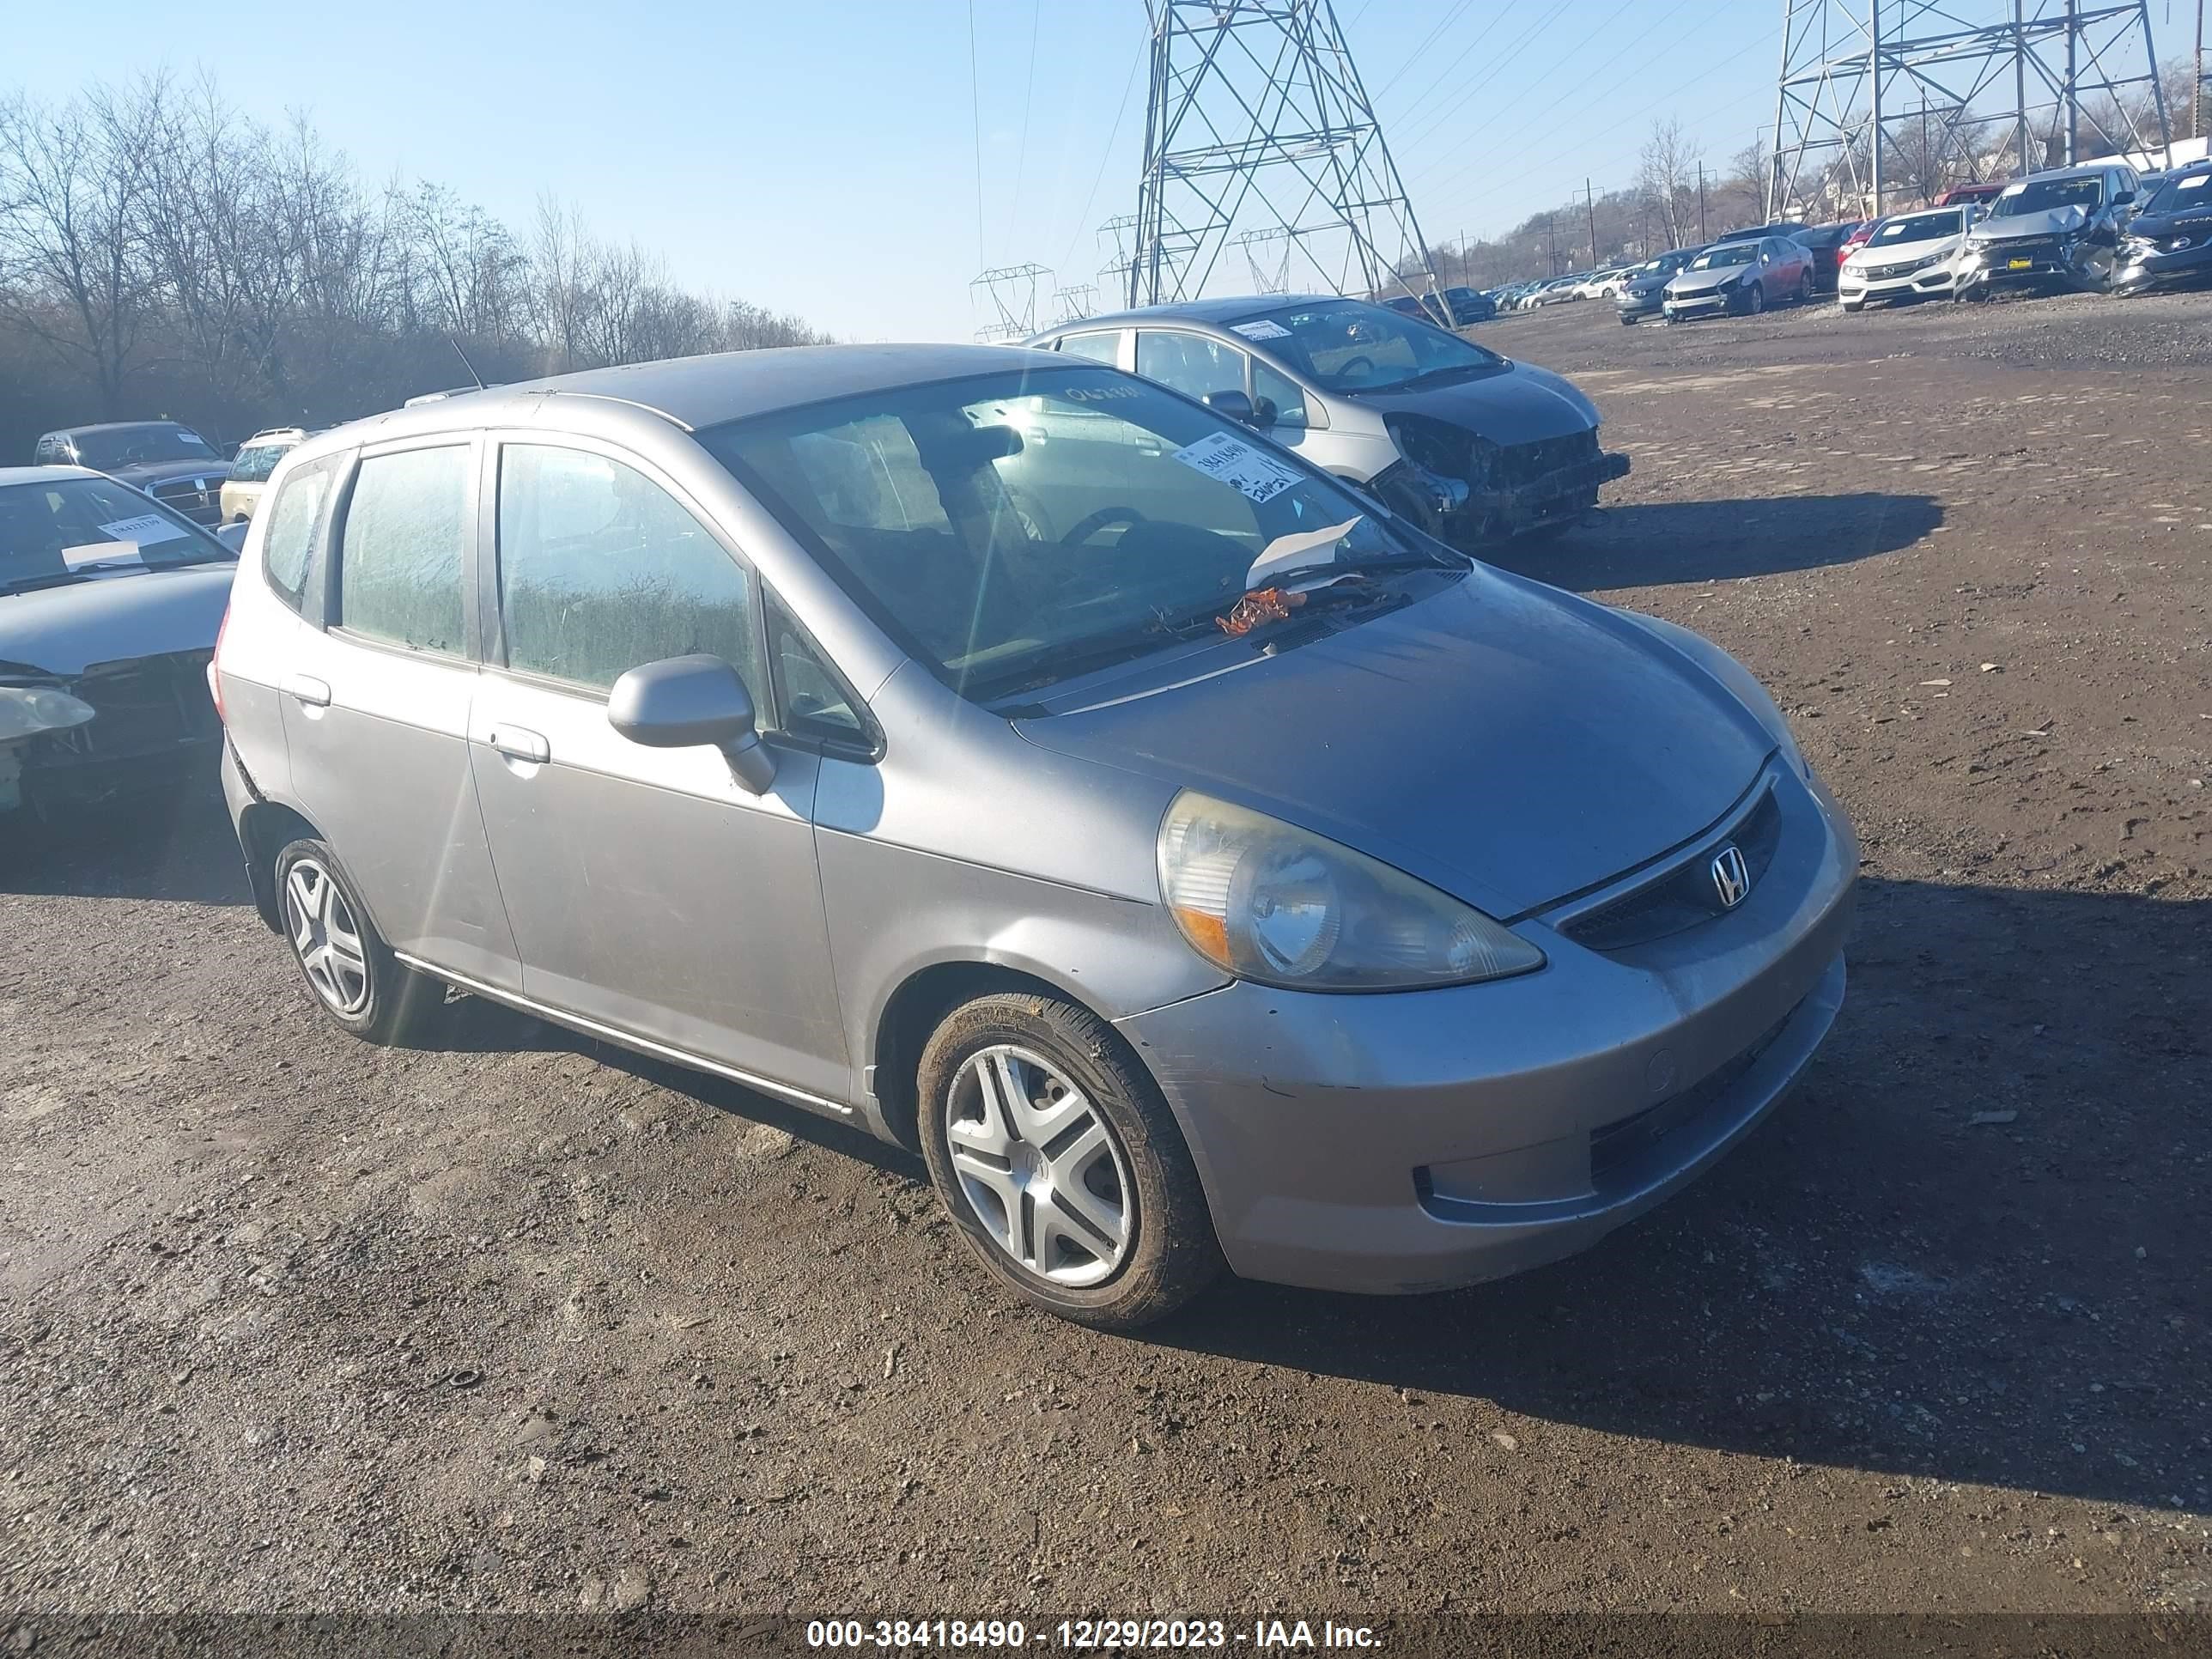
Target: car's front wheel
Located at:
point(1060, 1163)
point(347, 964)
point(1754, 299)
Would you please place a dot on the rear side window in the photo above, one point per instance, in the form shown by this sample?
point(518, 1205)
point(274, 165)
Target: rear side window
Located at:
point(399, 563)
point(1104, 348)
point(287, 541)
point(601, 570)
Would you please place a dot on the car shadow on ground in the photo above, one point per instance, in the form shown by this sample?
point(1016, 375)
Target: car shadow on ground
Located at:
point(1968, 1248)
point(176, 845)
point(1662, 543)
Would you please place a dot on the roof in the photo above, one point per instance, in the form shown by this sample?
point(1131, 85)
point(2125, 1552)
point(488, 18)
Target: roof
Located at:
point(29, 475)
point(2095, 170)
point(1227, 309)
point(111, 426)
point(729, 386)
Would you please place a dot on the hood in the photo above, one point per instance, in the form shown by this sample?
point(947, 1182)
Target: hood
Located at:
point(64, 630)
point(1500, 740)
point(1705, 281)
point(1516, 405)
point(2183, 221)
point(145, 473)
point(2052, 222)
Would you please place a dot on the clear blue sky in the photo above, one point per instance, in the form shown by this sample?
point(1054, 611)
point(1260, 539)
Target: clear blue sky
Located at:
point(821, 158)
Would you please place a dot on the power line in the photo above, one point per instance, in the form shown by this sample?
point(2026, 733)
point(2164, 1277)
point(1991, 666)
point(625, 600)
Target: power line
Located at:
point(1497, 67)
point(1414, 56)
point(976, 120)
point(1121, 109)
point(1443, 74)
point(1496, 111)
point(1022, 155)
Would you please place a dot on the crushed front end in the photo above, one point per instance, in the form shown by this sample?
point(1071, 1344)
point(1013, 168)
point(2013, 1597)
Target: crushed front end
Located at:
point(119, 729)
point(1468, 491)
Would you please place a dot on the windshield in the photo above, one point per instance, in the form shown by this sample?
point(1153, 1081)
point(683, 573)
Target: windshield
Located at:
point(256, 461)
point(2182, 191)
point(1018, 529)
point(55, 532)
point(127, 446)
point(2042, 195)
point(1917, 227)
point(1736, 254)
point(1347, 345)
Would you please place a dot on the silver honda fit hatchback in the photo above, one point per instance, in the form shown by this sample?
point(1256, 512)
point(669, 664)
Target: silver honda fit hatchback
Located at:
point(1196, 863)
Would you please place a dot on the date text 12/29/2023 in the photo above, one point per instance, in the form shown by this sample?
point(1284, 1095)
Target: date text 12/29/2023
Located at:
point(1293, 1635)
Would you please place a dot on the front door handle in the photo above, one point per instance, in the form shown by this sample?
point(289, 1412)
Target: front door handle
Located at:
point(520, 742)
point(315, 693)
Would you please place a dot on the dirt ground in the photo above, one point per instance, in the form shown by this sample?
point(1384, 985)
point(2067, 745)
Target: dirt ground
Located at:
point(527, 1324)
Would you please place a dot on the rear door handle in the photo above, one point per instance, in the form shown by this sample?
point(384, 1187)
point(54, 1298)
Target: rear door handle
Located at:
point(520, 742)
point(315, 693)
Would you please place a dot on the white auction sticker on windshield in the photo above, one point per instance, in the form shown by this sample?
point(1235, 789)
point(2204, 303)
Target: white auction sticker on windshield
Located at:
point(1239, 465)
point(145, 530)
point(1261, 330)
point(91, 553)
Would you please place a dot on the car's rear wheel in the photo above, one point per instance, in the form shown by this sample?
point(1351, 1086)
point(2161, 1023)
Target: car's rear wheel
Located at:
point(1804, 287)
point(1060, 1163)
point(344, 960)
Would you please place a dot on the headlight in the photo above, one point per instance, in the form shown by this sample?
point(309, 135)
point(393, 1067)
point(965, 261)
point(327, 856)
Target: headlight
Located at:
point(1266, 901)
point(1972, 259)
point(26, 711)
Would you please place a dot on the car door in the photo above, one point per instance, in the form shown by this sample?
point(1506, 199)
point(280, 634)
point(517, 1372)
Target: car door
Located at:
point(650, 892)
point(376, 702)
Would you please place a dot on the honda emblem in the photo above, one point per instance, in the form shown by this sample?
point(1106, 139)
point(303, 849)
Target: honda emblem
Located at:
point(1731, 876)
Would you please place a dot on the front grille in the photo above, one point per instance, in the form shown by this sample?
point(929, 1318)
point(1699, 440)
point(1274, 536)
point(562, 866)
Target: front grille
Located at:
point(1617, 1148)
point(144, 708)
point(1683, 896)
point(1526, 464)
point(199, 500)
point(1886, 273)
point(2023, 247)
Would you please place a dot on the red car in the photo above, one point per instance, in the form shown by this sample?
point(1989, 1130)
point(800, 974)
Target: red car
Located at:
point(1961, 195)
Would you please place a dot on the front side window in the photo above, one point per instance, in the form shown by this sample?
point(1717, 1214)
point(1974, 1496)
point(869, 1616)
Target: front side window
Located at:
point(1069, 517)
point(1193, 364)
point(601, 571)
point(1348, 345)
point(400, 560)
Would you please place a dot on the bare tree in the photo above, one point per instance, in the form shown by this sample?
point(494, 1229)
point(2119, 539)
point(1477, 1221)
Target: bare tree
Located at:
point(1668, 173)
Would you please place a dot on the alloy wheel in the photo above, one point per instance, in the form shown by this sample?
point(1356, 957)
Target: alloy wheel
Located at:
point(326, 937)
point(1039, 1166)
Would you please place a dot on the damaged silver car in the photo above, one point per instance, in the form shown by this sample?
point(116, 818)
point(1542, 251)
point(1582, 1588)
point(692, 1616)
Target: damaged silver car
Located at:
point(1473, 447)
point(110, 603)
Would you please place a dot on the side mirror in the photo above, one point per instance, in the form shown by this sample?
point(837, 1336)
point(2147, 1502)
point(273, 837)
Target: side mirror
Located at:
point(1264, 412)
point(2124, 198)
point(1234, 405)
point(684, 702)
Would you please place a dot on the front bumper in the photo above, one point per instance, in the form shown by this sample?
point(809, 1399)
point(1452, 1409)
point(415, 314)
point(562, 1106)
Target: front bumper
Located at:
point(2188, 264)
point(2035, 267)
point(1853, 288)
point(1636, 306)
point(1421, 1140)
point(1715, 303)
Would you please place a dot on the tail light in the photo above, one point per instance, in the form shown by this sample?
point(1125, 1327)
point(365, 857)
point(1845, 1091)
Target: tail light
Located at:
point(215, 666)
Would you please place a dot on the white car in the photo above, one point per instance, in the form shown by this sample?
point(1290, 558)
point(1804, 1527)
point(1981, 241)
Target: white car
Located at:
point(1601, 284)
point(1911, 256)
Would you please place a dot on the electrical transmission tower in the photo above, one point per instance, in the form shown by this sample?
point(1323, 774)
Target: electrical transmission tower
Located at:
point(1012, 292)
point(1265, 281)
point(1257, 120)
point(1883, 97)
point(1073, 304)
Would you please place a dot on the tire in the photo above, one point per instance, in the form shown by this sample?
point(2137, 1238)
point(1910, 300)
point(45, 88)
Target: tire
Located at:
point(361, 985)
point(1628, 322)
point(1136, 1240)
point(1754, 299)
point(1805, 288)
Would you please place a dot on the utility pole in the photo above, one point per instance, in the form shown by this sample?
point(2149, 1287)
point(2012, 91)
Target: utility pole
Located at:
point(1701, 202)
point(2021, 80)
point(2073, 92)
point(1590, 207)
point(1552, 241)
point(1874, 83)
point(1256, 121)
point(1462, 259)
